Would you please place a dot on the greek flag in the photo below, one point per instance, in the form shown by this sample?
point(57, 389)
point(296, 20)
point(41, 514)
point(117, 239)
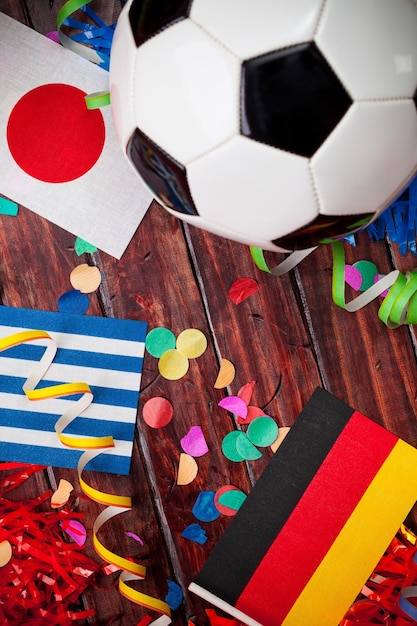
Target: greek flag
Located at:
point(105, 353)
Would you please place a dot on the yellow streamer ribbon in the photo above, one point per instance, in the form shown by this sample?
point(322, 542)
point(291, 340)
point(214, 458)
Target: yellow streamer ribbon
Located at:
point(93, 446)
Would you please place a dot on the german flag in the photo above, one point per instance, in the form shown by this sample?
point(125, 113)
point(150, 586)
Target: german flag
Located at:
point(316, 522)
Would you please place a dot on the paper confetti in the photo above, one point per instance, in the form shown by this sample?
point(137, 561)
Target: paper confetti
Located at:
point(235, 405)
point(253, 413)
point(204, 508)
point(8, 207)
point(81, 247)
point(85, 278)
point(159, 340)
point(262, 431)
point(232, 499)
point(245, 448)
point(368, 271)
point(246, 392)
point(242, 289)
point(75, 530)
point(228, 499)
point(61, 495)
point(226, 374)
point(282, 433)
point(135, 537)
point(353, 277)
point(157, 412)
point(187, 469)
point(229, 446)
point(196, 533)
point(173, 365)
point(73, 301)
point(194, 442)
point(191, 343)
point(174, 596)
point(5, 552)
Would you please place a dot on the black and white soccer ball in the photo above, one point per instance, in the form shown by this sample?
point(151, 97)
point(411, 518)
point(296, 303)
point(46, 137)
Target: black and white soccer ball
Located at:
point(276, 123)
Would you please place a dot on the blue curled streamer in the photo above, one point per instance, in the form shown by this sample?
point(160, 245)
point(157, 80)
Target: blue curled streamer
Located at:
point(405, 605)
point(99, 37)
point(398, 221)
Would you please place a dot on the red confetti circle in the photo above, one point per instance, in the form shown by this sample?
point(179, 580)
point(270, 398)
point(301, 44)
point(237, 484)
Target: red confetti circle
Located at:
point(52, 135)
point(225, 510)
point(157, 412)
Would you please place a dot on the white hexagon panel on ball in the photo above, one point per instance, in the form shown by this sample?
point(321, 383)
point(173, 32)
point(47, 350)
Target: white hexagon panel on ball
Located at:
point(187, 99)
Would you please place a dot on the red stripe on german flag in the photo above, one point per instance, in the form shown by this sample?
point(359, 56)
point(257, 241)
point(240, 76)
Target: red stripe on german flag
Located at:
point(353, 491)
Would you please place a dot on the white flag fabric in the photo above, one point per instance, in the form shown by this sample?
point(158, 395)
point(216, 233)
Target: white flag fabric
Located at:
point(105, 204)
point(105, 353)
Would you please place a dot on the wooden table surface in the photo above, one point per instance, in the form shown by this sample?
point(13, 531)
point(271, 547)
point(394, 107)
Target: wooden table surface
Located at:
point(289, 337)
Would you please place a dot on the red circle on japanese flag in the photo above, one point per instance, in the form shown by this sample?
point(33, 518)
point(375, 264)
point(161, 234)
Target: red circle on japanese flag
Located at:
point(53, 136)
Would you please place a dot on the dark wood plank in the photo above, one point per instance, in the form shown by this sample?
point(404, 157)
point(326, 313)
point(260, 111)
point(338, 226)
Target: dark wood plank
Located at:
point(265, 336)
point(16, 9)
point(38, 258)
point(154, 280)
point(364, 363)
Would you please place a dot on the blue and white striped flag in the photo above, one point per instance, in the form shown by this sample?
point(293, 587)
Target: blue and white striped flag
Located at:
point(105, 353)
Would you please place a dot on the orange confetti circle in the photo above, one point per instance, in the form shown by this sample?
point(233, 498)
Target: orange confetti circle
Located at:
point(85, 278)
point(5, 552)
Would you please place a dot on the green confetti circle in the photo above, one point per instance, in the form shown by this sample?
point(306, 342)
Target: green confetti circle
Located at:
point(229, 446)
point(368, 271)
point(246, 449)
point(159, 340)
point(233, 499)
point(81, 246)
point(263, 431)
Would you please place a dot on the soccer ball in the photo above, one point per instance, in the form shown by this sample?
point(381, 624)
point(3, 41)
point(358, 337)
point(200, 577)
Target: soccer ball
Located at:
point(276, 123)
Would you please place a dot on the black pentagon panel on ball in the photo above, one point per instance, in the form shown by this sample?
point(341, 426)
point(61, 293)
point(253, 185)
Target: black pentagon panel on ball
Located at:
point(324, 229)
point(148, 17)
point(166, 178)
point(291, 99)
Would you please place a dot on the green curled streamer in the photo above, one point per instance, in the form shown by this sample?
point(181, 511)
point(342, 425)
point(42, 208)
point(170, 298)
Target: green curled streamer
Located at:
point(97, 100)
point(339, 283)
point(285, 266)
point(65, 11)
point(398, 307)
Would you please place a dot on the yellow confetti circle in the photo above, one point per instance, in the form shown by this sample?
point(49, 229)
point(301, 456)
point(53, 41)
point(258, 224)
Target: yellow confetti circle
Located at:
point(85, 278)
point(191, 343)
point(173, 364)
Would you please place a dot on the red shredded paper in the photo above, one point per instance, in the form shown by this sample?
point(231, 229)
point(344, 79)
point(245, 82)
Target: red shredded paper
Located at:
point(43, 580)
